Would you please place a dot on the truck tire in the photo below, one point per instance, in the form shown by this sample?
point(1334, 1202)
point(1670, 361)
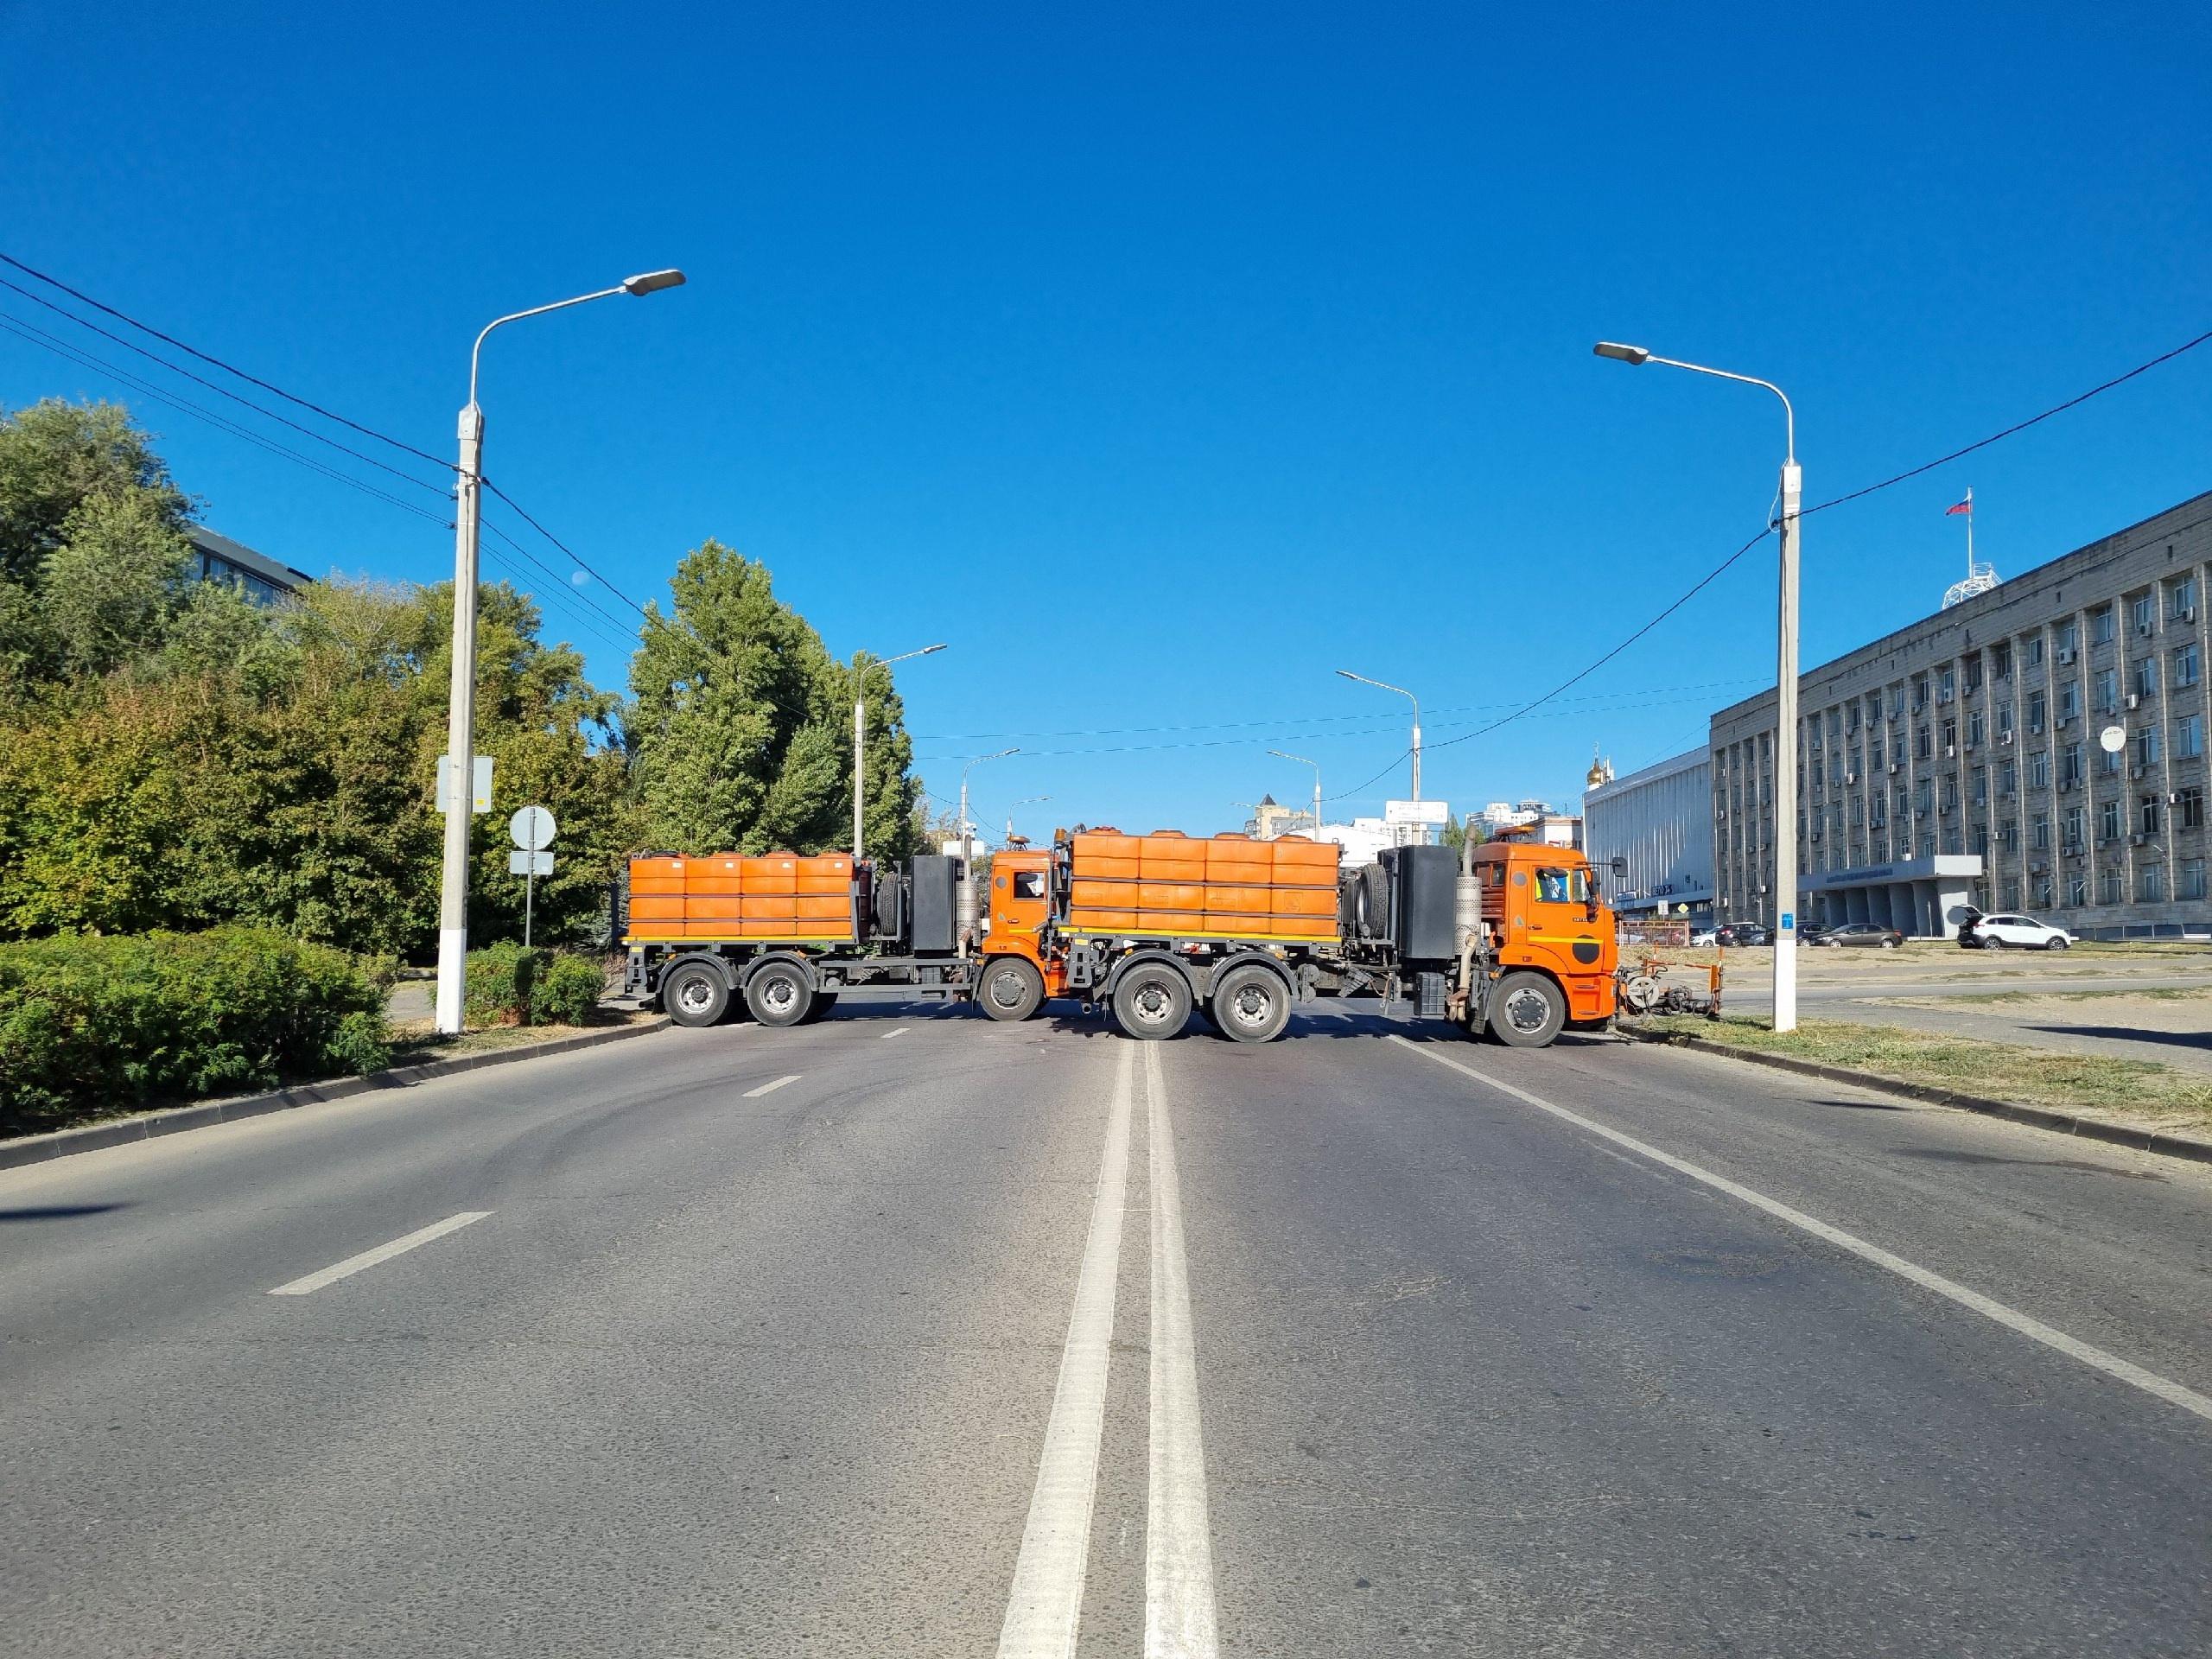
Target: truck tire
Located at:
point(1526, 1010)
point(780, 993)
point(1250, 1004)
point(1152, 1000)
point(1011, 989)
point(819, 1009)
point(695, 994)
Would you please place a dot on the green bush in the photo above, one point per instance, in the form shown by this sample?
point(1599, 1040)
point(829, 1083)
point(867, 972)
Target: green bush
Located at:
point(500, 980)
point(567, 989)
point(92, 1026)
point(510, 986)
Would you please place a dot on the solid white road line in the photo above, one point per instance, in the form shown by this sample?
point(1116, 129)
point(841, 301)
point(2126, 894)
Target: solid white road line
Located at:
point(1179, 1604)
point(901, 1032)
point(353, 1264)
point(1046, 1603)
point(2150, 1382)
point(770, 1088)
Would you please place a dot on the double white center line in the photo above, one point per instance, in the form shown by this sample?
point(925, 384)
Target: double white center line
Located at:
point(1044, 1607)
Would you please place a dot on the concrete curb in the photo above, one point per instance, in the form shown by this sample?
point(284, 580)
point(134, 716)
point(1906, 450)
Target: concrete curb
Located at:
point(175, 1119)
point(2089, 1129)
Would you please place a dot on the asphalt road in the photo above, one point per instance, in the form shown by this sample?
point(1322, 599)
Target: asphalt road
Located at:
point(908, 1334)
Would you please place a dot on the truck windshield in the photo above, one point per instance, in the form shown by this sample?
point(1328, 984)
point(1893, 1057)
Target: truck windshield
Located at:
point(1555, 886)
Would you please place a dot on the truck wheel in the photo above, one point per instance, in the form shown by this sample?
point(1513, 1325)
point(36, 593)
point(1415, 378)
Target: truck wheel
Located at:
point(1152, 1000)
point(695, 994)
point(1526, 1010)
point(779, 994)
point(1011, 989)
point(1250, 1004)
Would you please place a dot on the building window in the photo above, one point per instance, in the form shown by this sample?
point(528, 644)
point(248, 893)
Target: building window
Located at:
point(2034, 649)
point(2069, 700)
point(1921, 743)
point(1919, 695)
point(2069, 765)
point(2190, 879)
point(1951, 737)
point(1981, 840)
point(2151, 885)
point(2000, 661)
point(2146, 747)
point(2185, 665)
point(2108, 690)
point(2077, 888)
point(1974, 674)
point(1951, 840)
point(2005, 718)
point(2042, 892)
point(2109, 821)
point(2149, 810)
point(1927, 846)
point(2077, 820)
point(1946, 686)
point(1950, 789)
point(1981, 786)
point(2069, 638)
point(2008, 778)
point(2145, 607)
point(1974, 729)
point(2039, 836)
point(2189, 807)
point(2008, 833)
point(2102, 629)
point(2111, 885)
point(2189, 737)
point(2106, 761)
point(1923, 797)
point(2039, 770)
point(2037, 706)
point(2182, 600)
point(2145, 680)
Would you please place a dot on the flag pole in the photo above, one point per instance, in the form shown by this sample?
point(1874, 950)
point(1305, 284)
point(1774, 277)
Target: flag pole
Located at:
point(1969, 531)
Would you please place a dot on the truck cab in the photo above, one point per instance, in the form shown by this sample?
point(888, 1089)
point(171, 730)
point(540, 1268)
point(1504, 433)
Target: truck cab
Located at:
point(1544, 918)
point(1018, 973)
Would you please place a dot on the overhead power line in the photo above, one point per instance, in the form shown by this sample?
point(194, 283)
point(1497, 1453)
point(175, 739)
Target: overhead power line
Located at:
point(227, 368)
point(574, 556)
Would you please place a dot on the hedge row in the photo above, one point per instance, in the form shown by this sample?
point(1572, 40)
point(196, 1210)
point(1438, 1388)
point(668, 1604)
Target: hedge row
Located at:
point(510, 986)
point(92, 1026)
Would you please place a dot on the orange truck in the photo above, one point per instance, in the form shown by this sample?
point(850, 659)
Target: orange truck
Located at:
point(1513, 941)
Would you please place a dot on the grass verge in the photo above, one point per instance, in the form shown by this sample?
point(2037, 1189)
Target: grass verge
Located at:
point(2091, 1085)
point(420, 1045)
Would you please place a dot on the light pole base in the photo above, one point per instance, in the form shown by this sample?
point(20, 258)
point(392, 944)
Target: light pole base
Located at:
point(453, 961)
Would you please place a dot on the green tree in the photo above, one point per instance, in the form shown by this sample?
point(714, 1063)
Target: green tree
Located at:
point(55, 456)
point(740, 732)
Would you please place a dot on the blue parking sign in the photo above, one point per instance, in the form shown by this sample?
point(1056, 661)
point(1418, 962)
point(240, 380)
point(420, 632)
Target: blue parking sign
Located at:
point(1789, 920)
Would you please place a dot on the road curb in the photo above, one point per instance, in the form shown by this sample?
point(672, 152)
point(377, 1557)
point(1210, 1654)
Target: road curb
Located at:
point(2089, 1129)
point(175, 1119)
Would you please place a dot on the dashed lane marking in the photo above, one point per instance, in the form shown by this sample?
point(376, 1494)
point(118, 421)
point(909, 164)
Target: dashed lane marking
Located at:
point(2034, 1329)
point(771, 1087)
point(353, 1264)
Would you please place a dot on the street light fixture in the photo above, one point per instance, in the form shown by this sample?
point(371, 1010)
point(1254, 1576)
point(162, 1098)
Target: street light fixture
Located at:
point(1316, 765)
point(1026, 800)
point(968, 846)
point(1785, 684)
point(461, 735)
point(1385, 686)
point(860, 724)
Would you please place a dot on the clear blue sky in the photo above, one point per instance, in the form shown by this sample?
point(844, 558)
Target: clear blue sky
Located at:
point(1163, 367)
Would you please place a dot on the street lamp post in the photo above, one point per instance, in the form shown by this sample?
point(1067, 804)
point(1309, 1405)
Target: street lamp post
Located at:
point(1026, 800)
point(1316, 765)
point(859, 730)
point(1785, 685)
point(461, 735)
point(1383, 686)
point(968, 846)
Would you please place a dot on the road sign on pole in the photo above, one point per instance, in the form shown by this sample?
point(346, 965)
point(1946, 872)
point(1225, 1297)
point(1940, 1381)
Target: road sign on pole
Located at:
point(480, 784)
point(532, 829)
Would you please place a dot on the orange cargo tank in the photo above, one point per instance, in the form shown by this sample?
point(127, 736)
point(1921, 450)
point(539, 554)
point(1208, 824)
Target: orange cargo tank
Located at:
point(1226, 887)
point(731, 898)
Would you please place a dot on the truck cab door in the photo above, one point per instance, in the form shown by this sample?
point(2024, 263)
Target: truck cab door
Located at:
point(1562, 934)
point(1018, 894)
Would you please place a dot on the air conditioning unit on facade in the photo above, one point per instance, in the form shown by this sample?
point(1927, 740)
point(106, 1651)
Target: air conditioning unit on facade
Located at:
point(1896, 766)
point(2004, 736)
point(2065, 785)
point(1942, 696)
point(2064, 654)
point(2133, 698)
point(2064, 720)
point(1950, 751)
point(2137, 839)
point(2185, 614)
point(2143, 628)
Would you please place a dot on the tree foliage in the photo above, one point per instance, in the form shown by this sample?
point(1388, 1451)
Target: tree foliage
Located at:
point(742, 728)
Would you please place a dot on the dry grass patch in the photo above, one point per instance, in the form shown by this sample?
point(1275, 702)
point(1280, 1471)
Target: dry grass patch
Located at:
point(2142, 1091)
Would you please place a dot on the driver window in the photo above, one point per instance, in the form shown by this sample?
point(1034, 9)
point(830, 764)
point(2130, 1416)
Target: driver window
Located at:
point(1029, 884)
point(1561, 886)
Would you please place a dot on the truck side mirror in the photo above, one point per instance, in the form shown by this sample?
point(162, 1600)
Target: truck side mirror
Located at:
point(1620, 867)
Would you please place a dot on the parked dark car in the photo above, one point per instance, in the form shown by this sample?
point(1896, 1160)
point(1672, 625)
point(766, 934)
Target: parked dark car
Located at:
point(1811, 933)
point(1743, 933)
point(1867, 933)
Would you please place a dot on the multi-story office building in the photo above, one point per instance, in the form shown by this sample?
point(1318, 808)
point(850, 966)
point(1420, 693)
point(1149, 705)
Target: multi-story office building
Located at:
point(217, 558)
point(1660, 820)
point(2037, 747)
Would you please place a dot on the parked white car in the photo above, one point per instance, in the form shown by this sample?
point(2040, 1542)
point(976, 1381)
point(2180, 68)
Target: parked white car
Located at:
point(1705, 935)
point(2011, 932)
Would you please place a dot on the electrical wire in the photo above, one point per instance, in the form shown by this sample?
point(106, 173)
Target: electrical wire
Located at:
point(168, 340)
point(572, 555)
point(223, 392)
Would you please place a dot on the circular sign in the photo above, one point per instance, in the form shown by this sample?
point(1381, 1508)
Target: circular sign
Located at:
point(532, 829)
point(2113, 738)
